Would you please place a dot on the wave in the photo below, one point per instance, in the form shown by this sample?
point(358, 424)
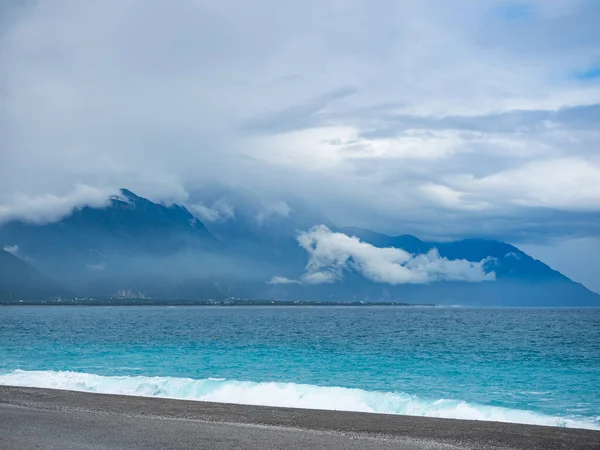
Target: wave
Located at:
point(285, 394)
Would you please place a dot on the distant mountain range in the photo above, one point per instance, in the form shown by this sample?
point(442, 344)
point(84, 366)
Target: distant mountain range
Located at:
point(229, 244)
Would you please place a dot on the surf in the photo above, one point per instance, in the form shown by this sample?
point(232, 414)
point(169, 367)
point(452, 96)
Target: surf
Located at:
point(286, 395)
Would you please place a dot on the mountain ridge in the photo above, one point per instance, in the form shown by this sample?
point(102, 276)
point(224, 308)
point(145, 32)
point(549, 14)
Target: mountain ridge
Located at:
point(471, 249)
point(167, 251)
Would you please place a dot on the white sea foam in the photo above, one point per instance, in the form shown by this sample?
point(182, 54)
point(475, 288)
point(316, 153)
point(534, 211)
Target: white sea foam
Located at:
point(284, 394)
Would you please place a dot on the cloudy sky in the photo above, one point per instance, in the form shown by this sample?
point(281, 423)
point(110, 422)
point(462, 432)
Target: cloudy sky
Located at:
point(439, 118)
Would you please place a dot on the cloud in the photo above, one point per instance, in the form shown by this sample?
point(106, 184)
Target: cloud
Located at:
point(331, 254)
point(219, 211)
point(12, 249)
point(564, 183)
point(49, 207)
point(269, 210)
point(282, 280)
point(279, 207)
point(298, 117)
point(286, 99)
point(451, 198)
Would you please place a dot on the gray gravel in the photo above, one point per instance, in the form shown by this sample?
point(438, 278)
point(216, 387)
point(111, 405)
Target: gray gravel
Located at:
point(33, 418)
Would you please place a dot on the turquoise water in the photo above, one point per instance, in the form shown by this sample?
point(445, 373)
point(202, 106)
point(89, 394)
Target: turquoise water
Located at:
point(518, 365)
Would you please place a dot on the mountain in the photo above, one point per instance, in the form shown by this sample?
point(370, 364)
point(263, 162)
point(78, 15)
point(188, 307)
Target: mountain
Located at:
point(520, 279)
point(237, 215)
point(264, 228)
point(229, 244)
point(262, 231)
point(18, 280)
point(102, 249)
point(129, 224)
point(509, 263)
point(407, 242)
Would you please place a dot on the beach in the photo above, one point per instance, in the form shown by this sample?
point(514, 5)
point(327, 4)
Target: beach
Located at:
point(32, 418)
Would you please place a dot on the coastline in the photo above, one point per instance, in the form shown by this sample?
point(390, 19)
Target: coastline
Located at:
point(48, 418)
point(197, 303)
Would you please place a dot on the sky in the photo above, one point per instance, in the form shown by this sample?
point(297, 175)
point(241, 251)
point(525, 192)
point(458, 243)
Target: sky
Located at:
point(441, 119)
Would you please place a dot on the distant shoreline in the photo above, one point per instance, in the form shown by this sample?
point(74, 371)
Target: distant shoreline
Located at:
point(246, 303)
point(48, 418)
point(269, 305)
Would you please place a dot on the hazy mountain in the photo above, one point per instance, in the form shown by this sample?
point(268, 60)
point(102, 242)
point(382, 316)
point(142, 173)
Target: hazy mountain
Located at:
point(237, 215)
point(264, 229)
point(519, 279)
point(105, 247)
point(228, 243)
point(18, 280)
point(128, 224)
point(263, 232)
point(509, 262)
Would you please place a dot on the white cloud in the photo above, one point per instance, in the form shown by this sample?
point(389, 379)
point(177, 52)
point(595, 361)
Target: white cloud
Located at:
point(49, 207)
point(12, 249)
point(451, 198)
point(330, 254)
point(321, 277)
point(205, 213)
point(279, 207)
point(219, 211)
point(423, 114)
point(282, 280)
point(269, 209)
point(569, 184)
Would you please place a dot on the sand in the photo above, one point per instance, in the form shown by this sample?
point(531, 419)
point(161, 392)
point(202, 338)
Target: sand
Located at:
point(32, 418)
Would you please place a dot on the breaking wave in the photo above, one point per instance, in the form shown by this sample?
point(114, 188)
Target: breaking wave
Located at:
point(285, 394)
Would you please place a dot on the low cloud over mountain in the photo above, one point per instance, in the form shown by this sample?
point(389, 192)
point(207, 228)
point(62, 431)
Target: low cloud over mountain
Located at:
point(441, 119)
point(330, 254)
point(160, 251)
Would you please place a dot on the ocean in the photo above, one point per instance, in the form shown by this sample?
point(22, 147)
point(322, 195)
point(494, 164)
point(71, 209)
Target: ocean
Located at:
point(535, 366)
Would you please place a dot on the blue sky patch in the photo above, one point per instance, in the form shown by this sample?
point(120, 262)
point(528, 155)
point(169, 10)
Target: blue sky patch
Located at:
point(515, 11)
point(590, 74)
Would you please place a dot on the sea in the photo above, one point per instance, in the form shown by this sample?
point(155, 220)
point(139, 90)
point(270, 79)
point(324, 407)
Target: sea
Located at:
point(533, 366)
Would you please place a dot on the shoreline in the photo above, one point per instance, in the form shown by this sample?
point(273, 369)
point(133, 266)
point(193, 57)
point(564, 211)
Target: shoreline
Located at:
point(295, 305)
point(226, 305)
point(185, 305)
point(49, 418)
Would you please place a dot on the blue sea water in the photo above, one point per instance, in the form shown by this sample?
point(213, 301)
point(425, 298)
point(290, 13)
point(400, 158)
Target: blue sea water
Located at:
point(538, 366)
